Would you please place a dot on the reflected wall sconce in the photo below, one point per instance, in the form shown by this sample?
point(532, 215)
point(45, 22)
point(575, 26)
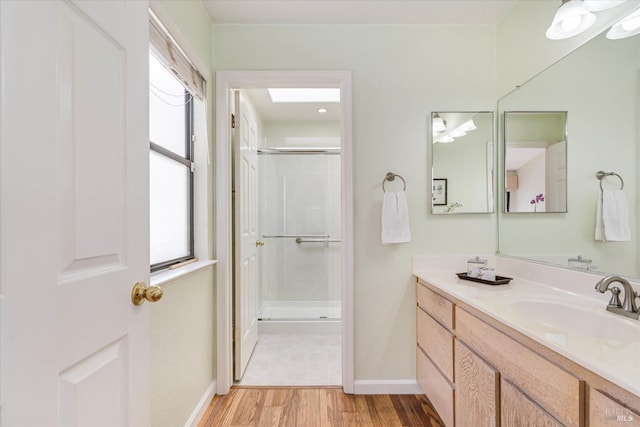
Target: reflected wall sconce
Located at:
point(439, 125)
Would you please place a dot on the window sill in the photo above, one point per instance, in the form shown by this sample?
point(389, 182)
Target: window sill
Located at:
point(166, 277)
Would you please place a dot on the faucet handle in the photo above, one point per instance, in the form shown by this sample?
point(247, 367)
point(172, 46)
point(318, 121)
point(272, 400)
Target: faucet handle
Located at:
point(615, 297)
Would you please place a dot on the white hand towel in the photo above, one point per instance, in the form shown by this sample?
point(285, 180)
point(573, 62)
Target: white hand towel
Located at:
point(612, 217)
point(395, 218)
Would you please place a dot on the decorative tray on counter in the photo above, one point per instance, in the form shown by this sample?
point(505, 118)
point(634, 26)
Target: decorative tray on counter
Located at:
point(500, 280)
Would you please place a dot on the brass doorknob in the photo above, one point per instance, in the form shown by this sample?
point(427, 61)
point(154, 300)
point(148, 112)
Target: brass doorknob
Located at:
point(141, 292)
point(259, 243)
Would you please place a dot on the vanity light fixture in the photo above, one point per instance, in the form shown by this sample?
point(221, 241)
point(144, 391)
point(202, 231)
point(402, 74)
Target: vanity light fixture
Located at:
point(457, 133)
point(626, 27)
point(445, 139)
point(468, 126)
point(322, 110)
point(439, 125)
point(570, 19)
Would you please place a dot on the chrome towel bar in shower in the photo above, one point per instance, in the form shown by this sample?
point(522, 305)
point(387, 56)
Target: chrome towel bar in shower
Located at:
point(301, 240)
point(295, 236)
point(600, 175)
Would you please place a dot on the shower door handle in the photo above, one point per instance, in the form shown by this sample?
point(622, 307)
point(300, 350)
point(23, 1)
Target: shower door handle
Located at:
point(259, 243)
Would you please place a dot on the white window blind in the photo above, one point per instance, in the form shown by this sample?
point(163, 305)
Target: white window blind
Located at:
point(174, 58)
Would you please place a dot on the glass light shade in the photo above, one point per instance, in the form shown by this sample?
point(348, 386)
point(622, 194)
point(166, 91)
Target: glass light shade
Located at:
point(457, 133)
point(445, 139)
point(626, 27)
point(439, 125)
point(598, 5)
point(468, 126)
point(570, 19)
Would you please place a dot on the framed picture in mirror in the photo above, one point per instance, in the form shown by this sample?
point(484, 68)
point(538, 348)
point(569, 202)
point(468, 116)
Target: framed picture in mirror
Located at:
point(439, 191)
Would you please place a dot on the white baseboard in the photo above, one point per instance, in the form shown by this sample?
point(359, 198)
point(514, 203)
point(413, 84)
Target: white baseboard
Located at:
point(386, 387)
point(202, 406)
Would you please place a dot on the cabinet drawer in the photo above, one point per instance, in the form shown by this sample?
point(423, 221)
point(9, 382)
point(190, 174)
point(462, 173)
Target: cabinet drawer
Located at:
point(436, 387)
point(436, 341)
point(437, 306)
point(518, 410)
point(554, 389)
point(604, 411)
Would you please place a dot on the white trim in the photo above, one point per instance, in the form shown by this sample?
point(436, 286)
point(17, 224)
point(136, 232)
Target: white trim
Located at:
point(202, 406)
point(225, 81)
point(166, 277)
point(387, 387)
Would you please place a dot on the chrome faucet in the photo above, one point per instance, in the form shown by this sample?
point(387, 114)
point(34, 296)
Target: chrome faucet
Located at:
point(628, 307)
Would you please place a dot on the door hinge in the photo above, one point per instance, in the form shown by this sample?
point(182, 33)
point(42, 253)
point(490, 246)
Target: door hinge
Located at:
point(193, 167)
point(193, 138)
point(233, 333)
point(233, 121)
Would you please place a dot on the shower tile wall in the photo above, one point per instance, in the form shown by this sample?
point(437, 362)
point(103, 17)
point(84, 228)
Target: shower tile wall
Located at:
point(300, 194)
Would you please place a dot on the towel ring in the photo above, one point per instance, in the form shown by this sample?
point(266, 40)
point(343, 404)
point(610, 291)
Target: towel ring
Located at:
point(390, 176)
point(600, 175)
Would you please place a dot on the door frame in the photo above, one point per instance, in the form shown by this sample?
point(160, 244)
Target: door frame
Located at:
point(225, 82)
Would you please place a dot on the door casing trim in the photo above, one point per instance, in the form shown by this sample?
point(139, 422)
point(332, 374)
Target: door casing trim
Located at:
point(225, 82)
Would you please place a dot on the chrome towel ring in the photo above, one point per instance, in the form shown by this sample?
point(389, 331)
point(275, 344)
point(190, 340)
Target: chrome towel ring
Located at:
point(600, 175)
point(390, 176)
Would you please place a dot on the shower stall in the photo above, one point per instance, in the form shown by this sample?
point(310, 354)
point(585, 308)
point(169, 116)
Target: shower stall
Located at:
point(300, 262)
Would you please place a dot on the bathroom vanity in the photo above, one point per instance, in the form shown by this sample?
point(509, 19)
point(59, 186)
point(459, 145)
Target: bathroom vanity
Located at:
point(524, 354)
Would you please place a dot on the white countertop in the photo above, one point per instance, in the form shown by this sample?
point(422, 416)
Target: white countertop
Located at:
point(573, 325)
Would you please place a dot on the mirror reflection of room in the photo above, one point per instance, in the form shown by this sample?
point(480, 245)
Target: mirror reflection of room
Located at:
point(535, 161)
point(597, 85)
point(462, 145)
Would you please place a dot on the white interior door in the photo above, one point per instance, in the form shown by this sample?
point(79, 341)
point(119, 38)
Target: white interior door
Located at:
point(246, 232)
point(556, 177)
point(75, 222)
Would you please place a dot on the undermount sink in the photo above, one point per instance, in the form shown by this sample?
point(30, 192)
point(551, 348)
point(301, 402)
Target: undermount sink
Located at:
point(558, 316)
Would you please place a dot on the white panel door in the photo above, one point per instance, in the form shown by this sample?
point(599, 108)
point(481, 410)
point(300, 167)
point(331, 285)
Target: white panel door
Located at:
point(246, 232)
point(75, 223)
point(556, 177)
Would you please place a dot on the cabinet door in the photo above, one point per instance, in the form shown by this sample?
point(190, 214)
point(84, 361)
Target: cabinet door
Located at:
point(517, 410)
point(604, 411)
point(476, 389)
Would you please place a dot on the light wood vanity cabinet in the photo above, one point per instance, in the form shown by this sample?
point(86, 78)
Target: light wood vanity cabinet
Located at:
point(478, 372)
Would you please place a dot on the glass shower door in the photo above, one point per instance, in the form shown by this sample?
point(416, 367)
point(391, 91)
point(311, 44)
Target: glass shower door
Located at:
point(300, 213)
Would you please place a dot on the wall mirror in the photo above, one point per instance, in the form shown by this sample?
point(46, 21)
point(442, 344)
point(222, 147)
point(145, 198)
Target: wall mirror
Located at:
point(535, 161)
point(462, 162)
point(597, 85)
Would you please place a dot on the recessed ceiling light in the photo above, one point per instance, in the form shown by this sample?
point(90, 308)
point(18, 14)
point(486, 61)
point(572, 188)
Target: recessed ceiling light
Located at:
point(304, 95)
point(322, 110)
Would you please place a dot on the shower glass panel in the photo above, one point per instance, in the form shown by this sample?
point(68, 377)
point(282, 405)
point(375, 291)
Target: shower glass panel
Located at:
point(300, 220)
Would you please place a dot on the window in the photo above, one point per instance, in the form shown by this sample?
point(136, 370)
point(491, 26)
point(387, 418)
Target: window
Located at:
point(170, 167)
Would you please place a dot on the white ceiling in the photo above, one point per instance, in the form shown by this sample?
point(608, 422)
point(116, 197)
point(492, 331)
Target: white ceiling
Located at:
point(270, 111)
point(488, 12)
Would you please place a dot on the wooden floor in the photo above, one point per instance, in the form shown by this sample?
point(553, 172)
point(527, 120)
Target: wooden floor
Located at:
point(324, 406)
